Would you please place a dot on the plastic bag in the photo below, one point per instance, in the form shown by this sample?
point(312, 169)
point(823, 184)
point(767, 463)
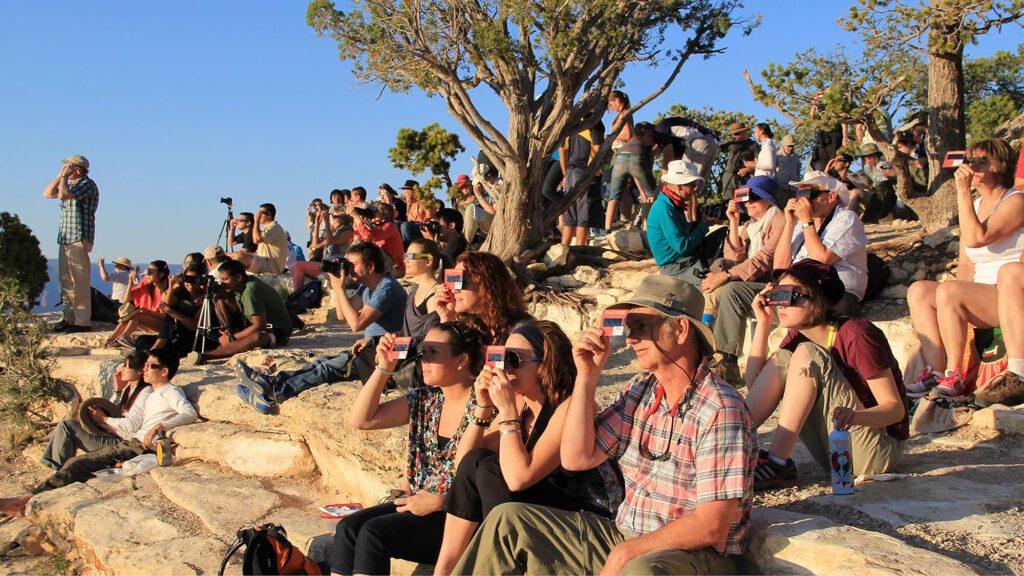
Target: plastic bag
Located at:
point(139, 465)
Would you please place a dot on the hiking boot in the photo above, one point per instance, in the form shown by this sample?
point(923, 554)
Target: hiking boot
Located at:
point(259, 401)
point(250, 377)
point(1005, 388)
point(770, 476)
point(924, 383)
point(951, 386)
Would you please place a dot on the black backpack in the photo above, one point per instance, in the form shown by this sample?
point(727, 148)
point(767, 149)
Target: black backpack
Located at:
point(268, 551)
point(103, 308)
point(309, 296)
point(878, 276)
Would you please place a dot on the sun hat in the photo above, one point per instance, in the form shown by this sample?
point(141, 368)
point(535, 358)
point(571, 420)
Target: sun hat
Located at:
point(819, 179)
point(680, 172)
point(410, 184)
point(764, 187)
point(77, 160)
point(672, 297)
point(123, 261)
point(462, 180)
point(813, 273)
point(103, 405)
point(868, 149)
point(737, 127)
point(788, 140)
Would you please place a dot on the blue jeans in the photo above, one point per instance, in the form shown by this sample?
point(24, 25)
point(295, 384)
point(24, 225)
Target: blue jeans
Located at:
point(323, 370)
point(629, 165)
point(410, 231)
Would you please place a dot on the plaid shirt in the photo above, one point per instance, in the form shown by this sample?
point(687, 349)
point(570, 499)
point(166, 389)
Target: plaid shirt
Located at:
point(713, 450)
point(78, 215)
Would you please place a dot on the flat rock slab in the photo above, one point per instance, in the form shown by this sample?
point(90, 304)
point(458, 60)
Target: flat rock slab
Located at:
point(788, 543)
point(966, 500)
point(246, 452)
point(222, 503)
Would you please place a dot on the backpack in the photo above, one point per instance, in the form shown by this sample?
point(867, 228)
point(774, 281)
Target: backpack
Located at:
point(268, 551)
point(309, 296)
point(878, 276)
point(103, 308)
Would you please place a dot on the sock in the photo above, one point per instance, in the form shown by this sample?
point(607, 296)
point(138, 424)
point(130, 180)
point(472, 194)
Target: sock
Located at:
point(708, 319)
point(776, 459)
point(950, 372)
point(1016, 365)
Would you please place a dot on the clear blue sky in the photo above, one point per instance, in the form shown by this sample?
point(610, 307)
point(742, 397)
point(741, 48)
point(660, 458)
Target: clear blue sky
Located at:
point(179, 103)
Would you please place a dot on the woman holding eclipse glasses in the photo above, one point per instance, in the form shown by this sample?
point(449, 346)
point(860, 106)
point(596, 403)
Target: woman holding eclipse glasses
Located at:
point(488, 290)
point(828, 373)
point(517, 458)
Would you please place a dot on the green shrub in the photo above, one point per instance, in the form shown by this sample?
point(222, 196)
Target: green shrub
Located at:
point(26, 386)
point(21, 258)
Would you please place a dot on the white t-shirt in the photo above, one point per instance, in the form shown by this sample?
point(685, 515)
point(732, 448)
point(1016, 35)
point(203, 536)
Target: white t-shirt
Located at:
point(118, 285)
point(845, 237)
point(165, 405)
point(766, 163)
point(989, 259)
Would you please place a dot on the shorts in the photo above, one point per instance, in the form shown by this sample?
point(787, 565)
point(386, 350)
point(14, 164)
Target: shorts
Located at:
point(577, 215)
point(261, 265)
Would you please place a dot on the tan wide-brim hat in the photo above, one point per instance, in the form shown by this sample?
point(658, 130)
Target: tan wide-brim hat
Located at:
point(673, 297)
point(121, 260)
point(103, 405)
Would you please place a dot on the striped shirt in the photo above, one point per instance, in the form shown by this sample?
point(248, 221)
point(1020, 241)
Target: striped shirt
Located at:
point(711, 447)
point(78, 214)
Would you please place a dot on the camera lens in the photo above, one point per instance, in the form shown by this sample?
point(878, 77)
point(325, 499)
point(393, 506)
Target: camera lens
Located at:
point(332, 267)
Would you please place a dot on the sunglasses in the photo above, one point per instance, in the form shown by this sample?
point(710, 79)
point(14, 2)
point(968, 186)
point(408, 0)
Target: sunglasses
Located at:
point(152, 271)
point(514, 360)
point(417, 256)
point(646, 428)
point(976, 161)
point(812, 194)
point(155, 366)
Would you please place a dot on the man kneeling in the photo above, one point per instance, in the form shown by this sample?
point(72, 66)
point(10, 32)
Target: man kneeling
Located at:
point(676, 430)
point(166, 407)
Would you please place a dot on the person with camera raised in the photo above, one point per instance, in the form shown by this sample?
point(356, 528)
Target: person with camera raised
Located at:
point(182, 306)
point(828, 373)
point(376, 224)
point(447, 232)
point(337, 237)
point(682, 438)
point(267, 322)
point(271, 244)
point(240, 232)
point(381, 311)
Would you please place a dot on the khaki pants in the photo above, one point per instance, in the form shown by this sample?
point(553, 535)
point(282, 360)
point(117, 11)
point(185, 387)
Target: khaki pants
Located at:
point(874, 450)
point(73, 266)
point(528, 539)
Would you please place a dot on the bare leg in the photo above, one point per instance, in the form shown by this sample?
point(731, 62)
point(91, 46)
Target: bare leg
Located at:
point(1011, 302)
point(581, 236)
point(765, 393)
point(567, 235)
point(924, 316)
point(457, 534)
point(609, 214)
point(244, 257)
point(959, 303)
point(801, 391)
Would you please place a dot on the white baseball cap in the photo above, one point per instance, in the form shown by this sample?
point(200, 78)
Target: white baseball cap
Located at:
point(819, 179)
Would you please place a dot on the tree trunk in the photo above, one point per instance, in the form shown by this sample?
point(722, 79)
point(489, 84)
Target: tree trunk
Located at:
point(518, 224)
point(946, 119)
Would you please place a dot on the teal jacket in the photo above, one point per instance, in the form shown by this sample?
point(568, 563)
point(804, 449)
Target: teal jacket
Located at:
point(671, 237)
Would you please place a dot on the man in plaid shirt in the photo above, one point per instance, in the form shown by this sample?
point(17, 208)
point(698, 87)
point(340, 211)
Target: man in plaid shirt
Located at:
point(79, 197)
point(683, 439)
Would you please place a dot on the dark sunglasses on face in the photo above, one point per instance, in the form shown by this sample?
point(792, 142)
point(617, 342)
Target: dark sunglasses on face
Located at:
point(153, 366)
point(152, 271)
point(514, 360)
point(976, 161)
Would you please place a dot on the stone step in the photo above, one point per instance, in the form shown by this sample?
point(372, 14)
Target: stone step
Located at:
point(245, 451)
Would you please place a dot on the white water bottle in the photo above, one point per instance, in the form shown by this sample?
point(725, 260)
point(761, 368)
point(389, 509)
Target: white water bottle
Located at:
point(840, 459)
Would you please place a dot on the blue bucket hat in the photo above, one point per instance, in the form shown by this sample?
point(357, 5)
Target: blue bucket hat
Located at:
point(764, 187)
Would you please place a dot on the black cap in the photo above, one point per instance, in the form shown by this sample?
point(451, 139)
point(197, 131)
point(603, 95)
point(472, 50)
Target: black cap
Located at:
point(410, 184)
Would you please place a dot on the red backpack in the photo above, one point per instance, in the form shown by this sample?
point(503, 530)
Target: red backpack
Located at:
point(268, 551)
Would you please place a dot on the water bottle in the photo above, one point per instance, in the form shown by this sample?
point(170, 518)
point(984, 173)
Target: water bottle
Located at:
point(164, 449)
point(840, 458)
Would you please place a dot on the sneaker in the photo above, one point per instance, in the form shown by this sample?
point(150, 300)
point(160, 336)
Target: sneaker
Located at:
point(924, 383)
point(251, 377)
point(770, 476)
point(1005, 388)
point(951, 386)
point(259, 402)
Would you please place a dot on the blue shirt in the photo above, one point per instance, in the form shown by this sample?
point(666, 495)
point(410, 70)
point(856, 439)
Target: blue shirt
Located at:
point(78, 213)
point(388, 298)
point(671, 237)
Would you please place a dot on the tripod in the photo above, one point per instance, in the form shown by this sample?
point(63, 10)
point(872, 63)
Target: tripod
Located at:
point(225, 228)
point(205, 326)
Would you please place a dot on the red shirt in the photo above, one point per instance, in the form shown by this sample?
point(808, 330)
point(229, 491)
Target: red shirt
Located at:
point(388, 238)
point(862, 351)
point(145, 295)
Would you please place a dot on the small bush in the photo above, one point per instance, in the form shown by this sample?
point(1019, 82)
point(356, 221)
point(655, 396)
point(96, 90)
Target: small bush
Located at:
point(25, 383)
point(21, 258)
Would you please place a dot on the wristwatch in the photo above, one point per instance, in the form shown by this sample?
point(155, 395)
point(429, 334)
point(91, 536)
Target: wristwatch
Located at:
point(806, 225)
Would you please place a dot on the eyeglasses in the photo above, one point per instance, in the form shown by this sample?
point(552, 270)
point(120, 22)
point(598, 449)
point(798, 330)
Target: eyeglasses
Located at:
point(514, 360)
point(976, 161)
point(417, 256)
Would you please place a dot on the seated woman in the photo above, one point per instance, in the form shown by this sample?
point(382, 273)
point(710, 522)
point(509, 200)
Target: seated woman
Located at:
point(337, 237)
point(488, 291)
point(182, 306)
point(518, 460)
point(438, 414)
point(143, 313)
point(828, 373)
point(69, 436)
point(991, 235)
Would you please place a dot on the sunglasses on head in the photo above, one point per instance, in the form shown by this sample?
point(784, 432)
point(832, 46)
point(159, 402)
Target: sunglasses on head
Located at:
point(417, 256)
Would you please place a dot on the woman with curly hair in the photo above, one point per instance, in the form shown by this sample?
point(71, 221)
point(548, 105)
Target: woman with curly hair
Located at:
point(438, 414)
point(518, 459)
point(488, 290)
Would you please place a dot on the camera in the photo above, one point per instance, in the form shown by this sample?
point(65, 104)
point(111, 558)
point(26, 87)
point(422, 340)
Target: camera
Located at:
point(226, 201)
point(433, 227)
point(334, 267)
point(202, 281)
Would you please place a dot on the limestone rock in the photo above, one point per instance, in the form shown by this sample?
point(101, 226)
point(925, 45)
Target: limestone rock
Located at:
point(221, 502)
point(939, 237)
point(953, 248)
point(787, 543)
point(1001, 418)
point(586, 274)
point(557, 255)
point(626, 241)
point(564, 282)
point(899, 275)
point(897, 292)
point(613, 256)
point(23, 536)
point(246, 452)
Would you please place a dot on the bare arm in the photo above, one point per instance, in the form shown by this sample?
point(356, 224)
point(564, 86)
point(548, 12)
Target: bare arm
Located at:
point(889, 409)
point(103, 271)
point(522, 469)
point(579, 449)
point(973, 232)
point(367, 413)
point(257, 234)
point(357, 320)
point(965, 266)
point(258, 324)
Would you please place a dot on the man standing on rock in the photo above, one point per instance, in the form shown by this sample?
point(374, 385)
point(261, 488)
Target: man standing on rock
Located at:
point(683, 439)
point(165, 408)
point(79, 197)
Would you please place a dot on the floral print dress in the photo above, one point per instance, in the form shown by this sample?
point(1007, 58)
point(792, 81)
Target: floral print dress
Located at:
point(431, 463)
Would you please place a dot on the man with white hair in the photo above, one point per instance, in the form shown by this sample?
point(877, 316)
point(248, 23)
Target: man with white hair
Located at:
point(675, 229)
point(817, 226)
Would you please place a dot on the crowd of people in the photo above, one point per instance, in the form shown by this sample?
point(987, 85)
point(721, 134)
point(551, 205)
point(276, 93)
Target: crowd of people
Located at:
point(512, 467)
